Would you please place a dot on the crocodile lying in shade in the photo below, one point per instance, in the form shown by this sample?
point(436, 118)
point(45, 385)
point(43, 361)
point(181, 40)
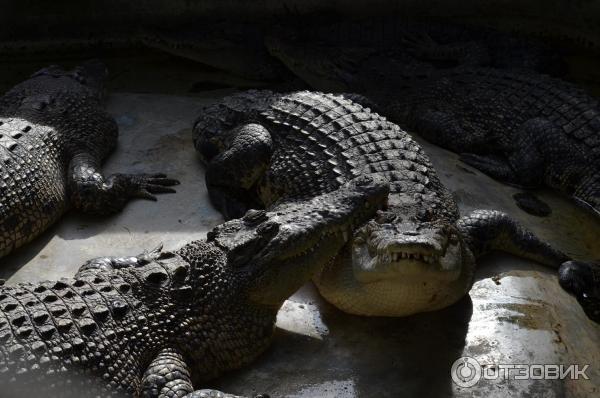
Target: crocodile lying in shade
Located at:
point(521, 128)
point(418, 255)
point(517, 126)
point(443, 45)
point(236, 48)
point(240, 47)
point(156, 324)
point(243, 49)
point(54, 134)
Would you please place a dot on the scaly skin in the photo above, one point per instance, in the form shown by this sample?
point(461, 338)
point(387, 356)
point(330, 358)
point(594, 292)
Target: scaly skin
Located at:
point(518, 127)
point(242, 49)
point(443, 45)
point(156, 324)
point(54, 134)
point(369, 56)
point(417, 255)
point(236, 48)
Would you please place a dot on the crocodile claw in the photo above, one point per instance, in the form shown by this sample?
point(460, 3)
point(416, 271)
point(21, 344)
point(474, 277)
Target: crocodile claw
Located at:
point(153, 255)
point(148, 184)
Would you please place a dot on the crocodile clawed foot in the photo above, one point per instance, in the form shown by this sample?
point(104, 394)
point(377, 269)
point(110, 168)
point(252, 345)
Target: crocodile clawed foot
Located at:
point(153, 255)
point(582, 280)
point(111, 263)
point(144, 186)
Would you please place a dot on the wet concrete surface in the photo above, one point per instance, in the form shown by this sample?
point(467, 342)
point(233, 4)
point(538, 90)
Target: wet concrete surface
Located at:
point(515, 314)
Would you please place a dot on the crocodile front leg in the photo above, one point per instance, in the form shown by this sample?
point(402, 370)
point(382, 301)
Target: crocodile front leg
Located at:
point(443, 128)
point(487, 230)
point(91, 193)
point(231, 175)
point(168, 376)
point(110, 263)
point(541, 152)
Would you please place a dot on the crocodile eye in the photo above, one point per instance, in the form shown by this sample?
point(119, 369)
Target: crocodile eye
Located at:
point(254, 217)
point(384, 217)
point(267, 228)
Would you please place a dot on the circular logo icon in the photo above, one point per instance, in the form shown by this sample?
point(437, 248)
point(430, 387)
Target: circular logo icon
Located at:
point(466, 372)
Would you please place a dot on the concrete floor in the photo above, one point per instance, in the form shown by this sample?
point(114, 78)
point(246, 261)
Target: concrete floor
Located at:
point(515, 314)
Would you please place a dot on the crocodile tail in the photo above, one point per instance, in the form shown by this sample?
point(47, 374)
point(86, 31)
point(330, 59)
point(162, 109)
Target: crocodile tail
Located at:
point(489, 230)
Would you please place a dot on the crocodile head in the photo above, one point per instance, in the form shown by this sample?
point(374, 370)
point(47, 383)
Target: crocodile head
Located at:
point(277, 251)
point(399, 267)
point(385, 249)
point(236, 49)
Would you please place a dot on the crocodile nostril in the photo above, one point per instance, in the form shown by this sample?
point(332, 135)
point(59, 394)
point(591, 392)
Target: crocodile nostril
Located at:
point(410, 233)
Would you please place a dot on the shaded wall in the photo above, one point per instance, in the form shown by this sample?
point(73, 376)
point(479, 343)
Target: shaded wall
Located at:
point(575, 20)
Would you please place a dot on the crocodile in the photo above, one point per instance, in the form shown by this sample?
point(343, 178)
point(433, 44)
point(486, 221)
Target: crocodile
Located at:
point(241, 48)
point(369, 55)
point(419, 254)
point(245, 49)
point(520, 127)
point(441, 44)
point(156, 324)
point(236, 48)
point(54, 134)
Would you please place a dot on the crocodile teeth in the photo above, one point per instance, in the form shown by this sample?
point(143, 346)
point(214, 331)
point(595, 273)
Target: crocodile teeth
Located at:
point(386, 256)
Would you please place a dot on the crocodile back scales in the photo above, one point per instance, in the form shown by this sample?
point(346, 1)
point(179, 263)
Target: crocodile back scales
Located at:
point(95, 335)
point(498, 102)
point(324, 140)
point(32, 181)
point(43, 122)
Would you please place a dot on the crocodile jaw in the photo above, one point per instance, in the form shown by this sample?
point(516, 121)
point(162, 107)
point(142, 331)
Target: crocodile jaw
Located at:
point(406, 250)
point(398, 274)
point(412, 262)
point(419, 288)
